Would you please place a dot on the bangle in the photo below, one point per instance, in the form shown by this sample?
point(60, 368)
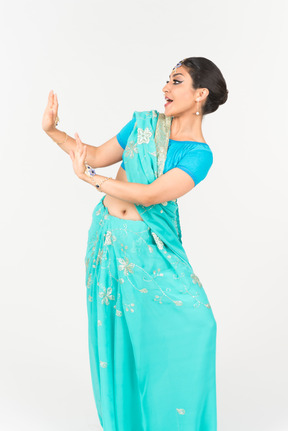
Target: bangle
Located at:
point(62, 142)
point(97, 185)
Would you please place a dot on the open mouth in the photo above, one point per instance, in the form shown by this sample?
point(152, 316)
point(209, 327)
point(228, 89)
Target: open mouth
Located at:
point(168, 101)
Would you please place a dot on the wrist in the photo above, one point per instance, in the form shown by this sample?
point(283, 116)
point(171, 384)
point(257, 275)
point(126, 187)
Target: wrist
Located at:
point(51, 132)
point(95, 179)
point(57, 136)
point(86, 178)
point(90, 179)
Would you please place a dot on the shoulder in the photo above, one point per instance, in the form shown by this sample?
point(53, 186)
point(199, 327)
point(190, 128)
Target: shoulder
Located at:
point(196, 160)
point(197, 148)
point(201, 150)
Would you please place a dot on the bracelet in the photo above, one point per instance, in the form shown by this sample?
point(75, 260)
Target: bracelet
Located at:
point(62, 142)
point(97, 185)
point(91, 172)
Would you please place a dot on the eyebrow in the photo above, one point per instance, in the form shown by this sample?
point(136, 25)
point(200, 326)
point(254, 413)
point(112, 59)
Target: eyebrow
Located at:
point(177, 74)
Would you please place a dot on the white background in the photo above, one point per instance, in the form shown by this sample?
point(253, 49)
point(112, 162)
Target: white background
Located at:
point(105, 60)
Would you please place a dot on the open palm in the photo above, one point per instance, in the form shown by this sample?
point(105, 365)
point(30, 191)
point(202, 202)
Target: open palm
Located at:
point(78, 157)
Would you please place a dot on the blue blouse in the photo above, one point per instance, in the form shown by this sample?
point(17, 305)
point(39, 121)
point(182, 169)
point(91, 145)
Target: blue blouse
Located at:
point(195, 158)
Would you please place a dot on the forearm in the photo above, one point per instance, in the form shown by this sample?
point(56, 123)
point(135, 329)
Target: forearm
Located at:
point(135, 193)
point(59, 137)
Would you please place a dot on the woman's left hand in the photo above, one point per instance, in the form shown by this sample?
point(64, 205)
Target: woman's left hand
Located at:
point(78, 157)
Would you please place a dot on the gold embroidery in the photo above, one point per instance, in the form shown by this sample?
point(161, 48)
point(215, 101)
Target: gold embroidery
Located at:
point(106, 295)
point(89, 281)
point(129, 307)
point(125, 265)
point(162, 134)
point(109, 238)
point(130, 150)
point(158, 241)
point(196, 280)
point(143, 136)
point(130, 269)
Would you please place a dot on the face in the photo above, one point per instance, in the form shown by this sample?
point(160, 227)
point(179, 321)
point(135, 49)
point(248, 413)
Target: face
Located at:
point(179, 89)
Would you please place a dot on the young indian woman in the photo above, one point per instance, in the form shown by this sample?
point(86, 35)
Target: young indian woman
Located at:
point(151, 329)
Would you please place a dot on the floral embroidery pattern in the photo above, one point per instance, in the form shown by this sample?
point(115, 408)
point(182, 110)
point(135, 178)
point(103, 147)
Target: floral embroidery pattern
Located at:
point(144, 136)
point(106, 295)
point(131, 149)
point(100, 256)
point(125, 265)
point(128, 267)
point(125, 259)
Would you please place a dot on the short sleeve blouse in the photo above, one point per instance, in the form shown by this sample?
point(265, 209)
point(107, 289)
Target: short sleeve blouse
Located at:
point(194, 158)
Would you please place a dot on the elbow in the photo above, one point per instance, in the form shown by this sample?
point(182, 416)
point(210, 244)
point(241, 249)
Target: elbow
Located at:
point(147, 198)
point(145, 202)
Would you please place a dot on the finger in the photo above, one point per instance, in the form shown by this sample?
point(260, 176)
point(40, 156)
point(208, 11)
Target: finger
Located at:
point(81, 145)
point(84, 153)
point(54, 101)
point(77, 144)
point(77, 141)
point(77, 137)
point(50, 99)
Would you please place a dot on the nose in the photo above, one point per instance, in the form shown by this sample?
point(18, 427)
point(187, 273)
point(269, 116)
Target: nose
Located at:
point(164, 89)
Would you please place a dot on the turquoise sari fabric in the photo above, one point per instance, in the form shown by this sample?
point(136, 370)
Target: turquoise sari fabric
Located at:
point(151, 329)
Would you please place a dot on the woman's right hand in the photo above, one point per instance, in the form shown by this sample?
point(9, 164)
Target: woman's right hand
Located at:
point(50, 113)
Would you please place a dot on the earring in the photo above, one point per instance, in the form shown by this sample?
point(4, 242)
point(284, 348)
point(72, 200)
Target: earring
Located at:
point(197, 112)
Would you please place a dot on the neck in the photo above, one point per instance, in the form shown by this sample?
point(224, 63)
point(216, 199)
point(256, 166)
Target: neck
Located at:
point(187, 127)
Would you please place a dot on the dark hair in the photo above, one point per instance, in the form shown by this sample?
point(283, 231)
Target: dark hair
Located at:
point(205, 74)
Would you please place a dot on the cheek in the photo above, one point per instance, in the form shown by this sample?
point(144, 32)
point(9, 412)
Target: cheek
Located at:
point(187, 99)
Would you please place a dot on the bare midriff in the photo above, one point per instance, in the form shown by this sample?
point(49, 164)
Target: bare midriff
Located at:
point(119, 208)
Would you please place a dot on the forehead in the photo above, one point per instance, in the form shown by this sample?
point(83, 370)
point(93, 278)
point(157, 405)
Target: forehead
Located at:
point(178, 70)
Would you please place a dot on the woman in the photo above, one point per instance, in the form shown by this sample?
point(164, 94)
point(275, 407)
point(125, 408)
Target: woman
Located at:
point(151, 329)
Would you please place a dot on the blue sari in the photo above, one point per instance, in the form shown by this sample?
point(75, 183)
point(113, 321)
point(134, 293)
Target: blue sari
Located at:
point(151, 329)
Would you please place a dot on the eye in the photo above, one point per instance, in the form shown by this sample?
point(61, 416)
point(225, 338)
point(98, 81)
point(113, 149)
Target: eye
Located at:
point(174, 80)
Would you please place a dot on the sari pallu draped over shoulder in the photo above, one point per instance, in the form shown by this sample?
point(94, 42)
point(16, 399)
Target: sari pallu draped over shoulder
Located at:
point(145, 156)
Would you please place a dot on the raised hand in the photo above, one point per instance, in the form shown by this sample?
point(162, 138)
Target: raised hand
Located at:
point(78, 157)
point(50, 113)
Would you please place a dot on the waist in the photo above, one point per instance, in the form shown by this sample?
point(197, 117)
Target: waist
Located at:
point(120, 209)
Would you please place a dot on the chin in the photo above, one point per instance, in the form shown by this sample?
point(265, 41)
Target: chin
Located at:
point(169, 111)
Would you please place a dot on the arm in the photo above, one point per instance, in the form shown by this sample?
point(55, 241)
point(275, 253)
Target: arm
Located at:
point(169, 186)
point(98, 157)
point(105, 155)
